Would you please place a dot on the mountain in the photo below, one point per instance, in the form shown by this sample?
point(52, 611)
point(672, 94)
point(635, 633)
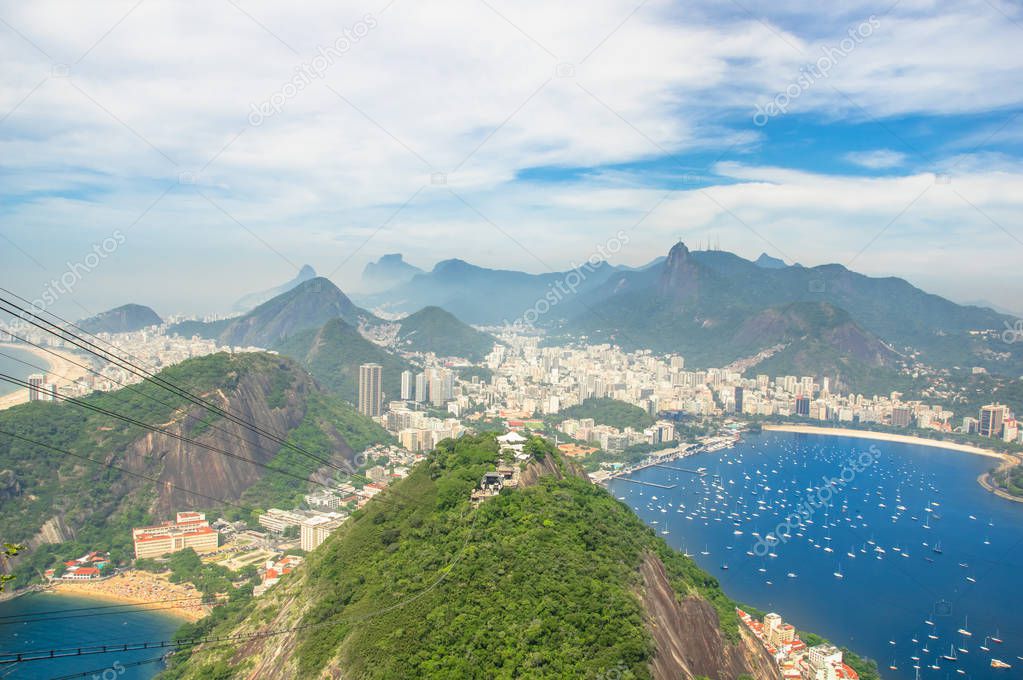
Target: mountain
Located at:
point(815, 338)
point(123, 319)
point(705, 305)
point(482, 296)
point(551, 579)
point(333, 353)
point(390, 270)
point(251, 300)
point(307, 306)
point(768, 262)
point(96, 505)
point(432, 329)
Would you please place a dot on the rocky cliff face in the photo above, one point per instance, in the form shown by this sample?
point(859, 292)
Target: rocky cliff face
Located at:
point(688, 638)
point(211, 474)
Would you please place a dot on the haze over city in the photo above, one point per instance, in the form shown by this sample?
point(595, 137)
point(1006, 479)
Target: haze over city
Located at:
point(242, 140)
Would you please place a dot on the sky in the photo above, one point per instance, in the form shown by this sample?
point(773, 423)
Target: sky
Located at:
point(181, 155)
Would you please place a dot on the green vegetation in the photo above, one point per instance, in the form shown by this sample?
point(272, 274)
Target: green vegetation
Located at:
point(608, 412)
point(81, 493)
point(467, 373)
point(1009, 480)
point(432, 329)
point(539, 581)
point(326, 417)
point(333, 354)
point(100, 503)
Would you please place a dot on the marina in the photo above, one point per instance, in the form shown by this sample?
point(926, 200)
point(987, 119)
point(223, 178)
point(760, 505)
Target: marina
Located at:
point(887, 548)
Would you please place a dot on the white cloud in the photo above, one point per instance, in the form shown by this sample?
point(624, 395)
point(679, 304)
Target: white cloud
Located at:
point(458, 88)
point(879, 159)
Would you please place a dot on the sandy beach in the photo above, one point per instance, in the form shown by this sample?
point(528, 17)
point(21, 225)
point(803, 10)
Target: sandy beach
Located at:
point(884, 436)
point(139, 587)
point(61, 370)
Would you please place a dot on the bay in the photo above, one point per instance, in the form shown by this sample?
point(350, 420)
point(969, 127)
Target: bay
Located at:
point(42, 621)
point(953, 556)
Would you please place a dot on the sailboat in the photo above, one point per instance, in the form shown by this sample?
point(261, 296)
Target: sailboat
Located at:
point(964, 630)
point(995, 638)
point(937, 548)
point(838, 573)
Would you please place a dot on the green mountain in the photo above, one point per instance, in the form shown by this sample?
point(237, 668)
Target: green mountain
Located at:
point(61, 505)
point(704, 305)
point(307, 306)
point(611, 412)
point(123, 319)
point(251, 300)
point(333, 353)
point(552, 579)
point(432, 329)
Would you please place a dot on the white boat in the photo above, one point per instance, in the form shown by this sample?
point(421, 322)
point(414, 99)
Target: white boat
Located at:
point(964, 630)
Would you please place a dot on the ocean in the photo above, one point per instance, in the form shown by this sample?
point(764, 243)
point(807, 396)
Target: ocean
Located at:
point(952, 553)
point(70, 629)
point(17, 369)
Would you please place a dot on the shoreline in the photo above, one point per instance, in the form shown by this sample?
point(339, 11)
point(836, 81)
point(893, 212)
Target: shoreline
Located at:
point(60, 369)
point(136, 588)
point(888, 437)
point(984, 479)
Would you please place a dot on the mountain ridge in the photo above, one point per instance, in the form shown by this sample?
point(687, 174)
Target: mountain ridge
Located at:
point(124, 319)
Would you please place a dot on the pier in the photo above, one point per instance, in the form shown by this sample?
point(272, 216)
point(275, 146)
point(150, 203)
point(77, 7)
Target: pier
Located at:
point(681, 469)
point(653, 484)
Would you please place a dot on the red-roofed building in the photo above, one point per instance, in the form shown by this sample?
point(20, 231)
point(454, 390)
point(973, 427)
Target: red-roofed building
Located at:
point(82, 574)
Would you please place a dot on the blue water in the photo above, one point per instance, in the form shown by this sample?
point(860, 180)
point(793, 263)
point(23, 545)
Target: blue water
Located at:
point(17, 369)
point(882, 598)
point(86, 628)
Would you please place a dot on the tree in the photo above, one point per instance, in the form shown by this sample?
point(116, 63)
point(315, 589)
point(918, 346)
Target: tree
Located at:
point(10, 550)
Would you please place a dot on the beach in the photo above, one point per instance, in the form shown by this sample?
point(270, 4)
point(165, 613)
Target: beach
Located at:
point(61, 370)
point(887, 437)
point(139, 587)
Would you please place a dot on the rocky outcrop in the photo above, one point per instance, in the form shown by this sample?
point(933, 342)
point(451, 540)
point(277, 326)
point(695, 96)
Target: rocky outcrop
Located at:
point(214, 475)
point(10, 487)
point(688, 638)
point(559, 469)
point(55, 530)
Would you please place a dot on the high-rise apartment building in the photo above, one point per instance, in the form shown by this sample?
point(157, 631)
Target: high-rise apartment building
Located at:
point(408, 386)
point(371, 394)
point(992, 417)
point(35, 386)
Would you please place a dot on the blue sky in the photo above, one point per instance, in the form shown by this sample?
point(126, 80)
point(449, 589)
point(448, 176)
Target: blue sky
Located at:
point(230, 144)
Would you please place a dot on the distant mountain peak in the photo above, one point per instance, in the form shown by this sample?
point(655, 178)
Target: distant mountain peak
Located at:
point(679, 251)
point(680, 272)
point(452, 265)
point(253, 300)
point(390, 270)
point(767, 262)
